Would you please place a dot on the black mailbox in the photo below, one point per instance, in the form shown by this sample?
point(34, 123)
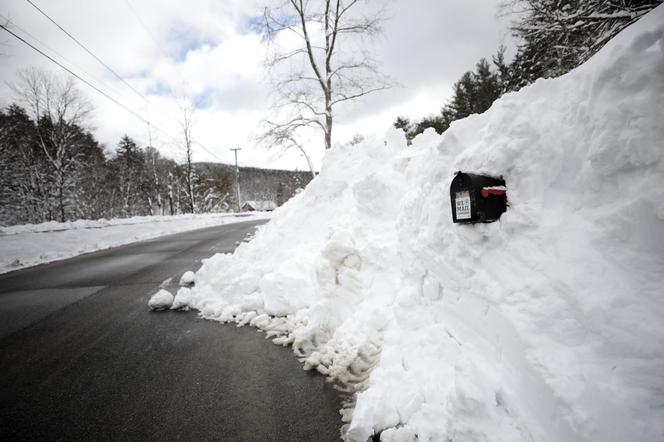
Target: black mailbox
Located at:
point(477, 198)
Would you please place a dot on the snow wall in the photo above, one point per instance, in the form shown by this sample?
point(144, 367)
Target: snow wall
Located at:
point(545, 326)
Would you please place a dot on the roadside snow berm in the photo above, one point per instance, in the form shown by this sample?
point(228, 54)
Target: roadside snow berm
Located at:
point(546, 326)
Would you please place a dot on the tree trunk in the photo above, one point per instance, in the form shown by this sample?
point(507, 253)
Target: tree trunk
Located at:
point(190, 191)
point(155, 175)
point(127, 201)
point(190, 186)
point(61, 197)
point(328, 128)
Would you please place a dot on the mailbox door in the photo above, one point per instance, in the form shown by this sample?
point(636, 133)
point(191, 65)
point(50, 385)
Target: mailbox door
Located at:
point(463, 205)
point(462, 199)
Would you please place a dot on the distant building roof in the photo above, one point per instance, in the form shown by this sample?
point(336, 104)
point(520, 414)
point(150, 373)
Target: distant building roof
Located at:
point(259, 206)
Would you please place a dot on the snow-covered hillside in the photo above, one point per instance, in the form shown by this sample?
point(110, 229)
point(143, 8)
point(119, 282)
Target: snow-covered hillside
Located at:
point(545, 326)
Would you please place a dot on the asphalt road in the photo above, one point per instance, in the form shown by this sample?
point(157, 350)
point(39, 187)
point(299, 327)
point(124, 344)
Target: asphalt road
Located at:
point(82, 357)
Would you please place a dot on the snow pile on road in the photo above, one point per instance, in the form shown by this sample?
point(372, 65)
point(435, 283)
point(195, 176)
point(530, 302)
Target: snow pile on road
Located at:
point(187, 279)
point(161, 300)
point(31, 244)
point(545, 326)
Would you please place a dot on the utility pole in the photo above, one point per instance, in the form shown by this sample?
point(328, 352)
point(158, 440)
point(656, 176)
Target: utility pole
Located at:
point(237, 179)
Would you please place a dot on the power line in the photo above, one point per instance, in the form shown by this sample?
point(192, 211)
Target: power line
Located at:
point(74, 74)
point(118, 76)
point(153, 38)
point(145, 28)
point(87, 82)
point(207, 150)
point(92, 85)
point(24, 31)
point(160, 48)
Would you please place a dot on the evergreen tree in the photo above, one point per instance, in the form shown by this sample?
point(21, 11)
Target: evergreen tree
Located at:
point(503, 70)
point(129, 165)
point(86, 196)
point(403, 123)
point(558, 35)
point(24, 189)
point(473, 93)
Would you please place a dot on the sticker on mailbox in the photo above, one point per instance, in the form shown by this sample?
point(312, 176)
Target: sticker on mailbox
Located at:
point(463, 205)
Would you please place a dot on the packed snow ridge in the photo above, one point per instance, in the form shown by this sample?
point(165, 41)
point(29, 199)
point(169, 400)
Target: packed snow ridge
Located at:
point(545, 326)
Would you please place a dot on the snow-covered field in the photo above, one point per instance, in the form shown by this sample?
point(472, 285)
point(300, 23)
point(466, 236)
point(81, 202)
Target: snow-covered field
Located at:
point(31, 244)
point(545, 326)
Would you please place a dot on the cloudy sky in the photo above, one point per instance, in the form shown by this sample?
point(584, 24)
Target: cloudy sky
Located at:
point(208, 50)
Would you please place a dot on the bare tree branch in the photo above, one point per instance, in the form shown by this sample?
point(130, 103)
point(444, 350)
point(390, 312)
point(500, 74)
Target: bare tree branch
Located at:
point(186, 125)
point(316, 76)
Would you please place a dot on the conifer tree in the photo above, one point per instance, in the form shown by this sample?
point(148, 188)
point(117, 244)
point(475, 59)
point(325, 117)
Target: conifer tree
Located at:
point(558, 35)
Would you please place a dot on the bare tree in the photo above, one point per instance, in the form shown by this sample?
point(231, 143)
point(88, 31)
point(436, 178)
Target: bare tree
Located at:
point(60, 112)
point(186, 124)
point(171, 186)
point(328, 66)
point(153, 160)
point(284, 137)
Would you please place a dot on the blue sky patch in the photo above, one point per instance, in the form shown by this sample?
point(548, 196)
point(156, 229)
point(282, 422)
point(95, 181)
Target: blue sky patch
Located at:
point(182, 40)
point(204, 100)
point(160, 89)
point(252, 25)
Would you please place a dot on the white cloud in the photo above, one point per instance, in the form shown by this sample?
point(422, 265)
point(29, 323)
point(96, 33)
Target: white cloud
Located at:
point(207, 50)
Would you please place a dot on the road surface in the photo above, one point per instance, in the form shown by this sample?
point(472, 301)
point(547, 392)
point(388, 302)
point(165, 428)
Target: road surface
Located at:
point(82, 357)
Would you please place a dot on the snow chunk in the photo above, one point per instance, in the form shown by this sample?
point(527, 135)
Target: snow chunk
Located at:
point(182, 299)
point(188, 279)
point(161, 300)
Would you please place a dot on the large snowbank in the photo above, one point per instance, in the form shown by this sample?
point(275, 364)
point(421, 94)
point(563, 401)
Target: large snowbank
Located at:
point(31, 244)
point(545, 326)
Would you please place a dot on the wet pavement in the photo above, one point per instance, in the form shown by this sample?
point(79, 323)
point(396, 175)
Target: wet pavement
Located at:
point(83, 358)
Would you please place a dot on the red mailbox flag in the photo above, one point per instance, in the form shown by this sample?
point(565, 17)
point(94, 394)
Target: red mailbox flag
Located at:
point(494, 190)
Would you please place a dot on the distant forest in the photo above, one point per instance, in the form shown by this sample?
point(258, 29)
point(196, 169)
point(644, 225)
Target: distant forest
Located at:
point(554, 36)
point(53, 169)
